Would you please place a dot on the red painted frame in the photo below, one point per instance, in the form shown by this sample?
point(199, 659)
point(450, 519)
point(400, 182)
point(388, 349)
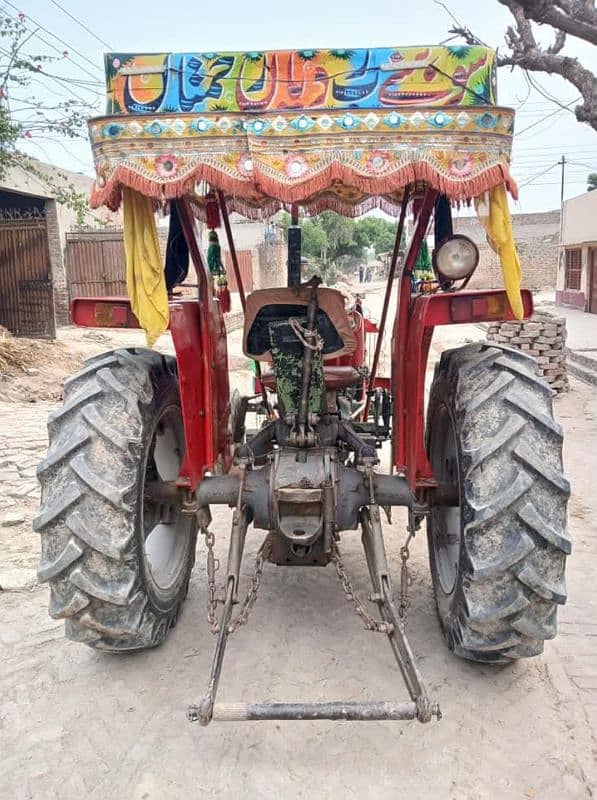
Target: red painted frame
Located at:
point(199, 336)
point(414, 324)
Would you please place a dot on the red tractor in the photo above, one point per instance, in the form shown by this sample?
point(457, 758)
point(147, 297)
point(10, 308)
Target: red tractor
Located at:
point(146, 443)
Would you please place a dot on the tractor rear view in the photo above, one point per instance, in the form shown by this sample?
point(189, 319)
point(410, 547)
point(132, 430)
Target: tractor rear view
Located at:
point(146, 443)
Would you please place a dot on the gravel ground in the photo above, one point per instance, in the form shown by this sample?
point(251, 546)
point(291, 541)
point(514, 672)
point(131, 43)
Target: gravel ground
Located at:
point(77, 723)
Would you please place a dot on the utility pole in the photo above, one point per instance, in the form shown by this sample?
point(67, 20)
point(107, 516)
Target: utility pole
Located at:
point(562, 163)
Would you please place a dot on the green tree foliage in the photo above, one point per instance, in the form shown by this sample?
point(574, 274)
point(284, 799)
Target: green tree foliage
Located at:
point(314, 240)
point(332, 241)
point(376, 232)
point(591, 181)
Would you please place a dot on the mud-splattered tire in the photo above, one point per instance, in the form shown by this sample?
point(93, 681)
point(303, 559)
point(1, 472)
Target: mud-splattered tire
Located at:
point(121, 423)
point(498, 561)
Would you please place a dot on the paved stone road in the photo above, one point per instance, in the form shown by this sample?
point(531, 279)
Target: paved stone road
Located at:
point(74, 722)
point(23, 441)
point(23, 438)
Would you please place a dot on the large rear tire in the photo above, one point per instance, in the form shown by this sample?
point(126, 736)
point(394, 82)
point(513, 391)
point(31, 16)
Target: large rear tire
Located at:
point(497, 560)
point(118, 564)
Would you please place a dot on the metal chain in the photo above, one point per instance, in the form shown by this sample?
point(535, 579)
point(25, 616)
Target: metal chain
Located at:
point(213, 564)
point(249, 601)
point(371, 624)
point(405, 579)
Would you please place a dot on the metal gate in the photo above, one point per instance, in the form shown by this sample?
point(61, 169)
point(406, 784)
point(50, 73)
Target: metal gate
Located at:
point(95, 265)
point(26, 291)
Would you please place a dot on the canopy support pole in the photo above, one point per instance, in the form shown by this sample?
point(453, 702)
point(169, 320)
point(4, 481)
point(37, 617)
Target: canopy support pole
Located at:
point(386, 301)
point(241, 291)
point(232, 248)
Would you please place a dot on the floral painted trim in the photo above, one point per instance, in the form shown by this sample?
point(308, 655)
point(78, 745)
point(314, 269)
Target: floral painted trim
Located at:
point(461, 154)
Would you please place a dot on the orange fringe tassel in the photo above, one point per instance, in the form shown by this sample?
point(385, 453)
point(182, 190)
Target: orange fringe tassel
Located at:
point(457, 188)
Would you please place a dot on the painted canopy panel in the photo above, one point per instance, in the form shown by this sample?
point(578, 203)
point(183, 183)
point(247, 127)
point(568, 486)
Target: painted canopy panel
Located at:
point(336, 129)
point(255, 83)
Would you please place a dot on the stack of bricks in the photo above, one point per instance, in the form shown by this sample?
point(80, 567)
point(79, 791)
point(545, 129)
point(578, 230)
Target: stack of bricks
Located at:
point(543, 336)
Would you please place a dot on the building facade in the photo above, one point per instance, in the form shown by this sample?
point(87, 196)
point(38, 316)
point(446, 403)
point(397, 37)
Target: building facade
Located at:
point(33, 228)
point(577, 272)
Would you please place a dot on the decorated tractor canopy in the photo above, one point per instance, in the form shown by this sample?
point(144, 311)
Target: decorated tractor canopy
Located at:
point(346, 130)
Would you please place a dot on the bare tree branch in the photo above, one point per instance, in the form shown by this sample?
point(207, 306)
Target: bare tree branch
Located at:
point(468, 36)
point(558, 44)
point(576, 18)
point(526, 53)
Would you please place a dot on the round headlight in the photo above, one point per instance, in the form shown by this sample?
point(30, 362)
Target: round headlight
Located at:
point(456, 258)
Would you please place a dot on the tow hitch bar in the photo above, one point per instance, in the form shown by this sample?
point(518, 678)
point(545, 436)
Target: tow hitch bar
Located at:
point(419, 707)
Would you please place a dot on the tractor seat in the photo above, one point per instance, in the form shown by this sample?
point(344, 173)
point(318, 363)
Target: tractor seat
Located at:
point(334, 377)
point(266, 306)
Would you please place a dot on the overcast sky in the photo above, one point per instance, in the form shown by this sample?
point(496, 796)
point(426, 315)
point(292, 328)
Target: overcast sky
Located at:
point(179, 25)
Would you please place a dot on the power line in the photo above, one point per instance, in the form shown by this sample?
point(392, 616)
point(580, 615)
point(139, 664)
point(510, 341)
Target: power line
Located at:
point(81, 84)
point(528, 170)
point(538, 103)
point(543, 92)
point(63, 53)
point(580, 164)
point(81, 24)
point(87, 164)
point(545, 118)
point(542, 148)
point(538, 175)
point(539, 162)
point(557, 183)
point(55, 36)
point(523, 175)
point(59, 80)
point(51, 89)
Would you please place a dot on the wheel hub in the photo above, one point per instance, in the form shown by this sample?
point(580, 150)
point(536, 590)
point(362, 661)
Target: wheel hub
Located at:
point(166, 527)
point(446, 522)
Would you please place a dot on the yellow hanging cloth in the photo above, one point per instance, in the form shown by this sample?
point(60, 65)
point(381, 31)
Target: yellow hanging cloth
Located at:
point(145, 279)
point(498, 226)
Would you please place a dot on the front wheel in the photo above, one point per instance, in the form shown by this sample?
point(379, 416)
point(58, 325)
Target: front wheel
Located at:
point(498, 556)
point(118, 562)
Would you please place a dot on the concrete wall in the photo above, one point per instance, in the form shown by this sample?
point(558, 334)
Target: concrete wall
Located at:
point(248, 234)
point(579, 230)
point(579, 223)
point(271, 265)
point(56, 248)
point(537, 238)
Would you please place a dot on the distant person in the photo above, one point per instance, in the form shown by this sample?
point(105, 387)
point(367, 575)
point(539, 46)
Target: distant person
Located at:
point(361, 273)
point(368, 275)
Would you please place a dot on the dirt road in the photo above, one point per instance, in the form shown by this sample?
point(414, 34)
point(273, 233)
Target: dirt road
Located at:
point(76, 723)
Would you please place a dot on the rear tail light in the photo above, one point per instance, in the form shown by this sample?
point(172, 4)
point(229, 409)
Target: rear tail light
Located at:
point(102, 312)
point(468, 308)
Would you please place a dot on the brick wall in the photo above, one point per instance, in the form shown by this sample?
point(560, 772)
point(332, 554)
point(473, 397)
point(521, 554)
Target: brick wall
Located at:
point(61, 302)
point(537, 239)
